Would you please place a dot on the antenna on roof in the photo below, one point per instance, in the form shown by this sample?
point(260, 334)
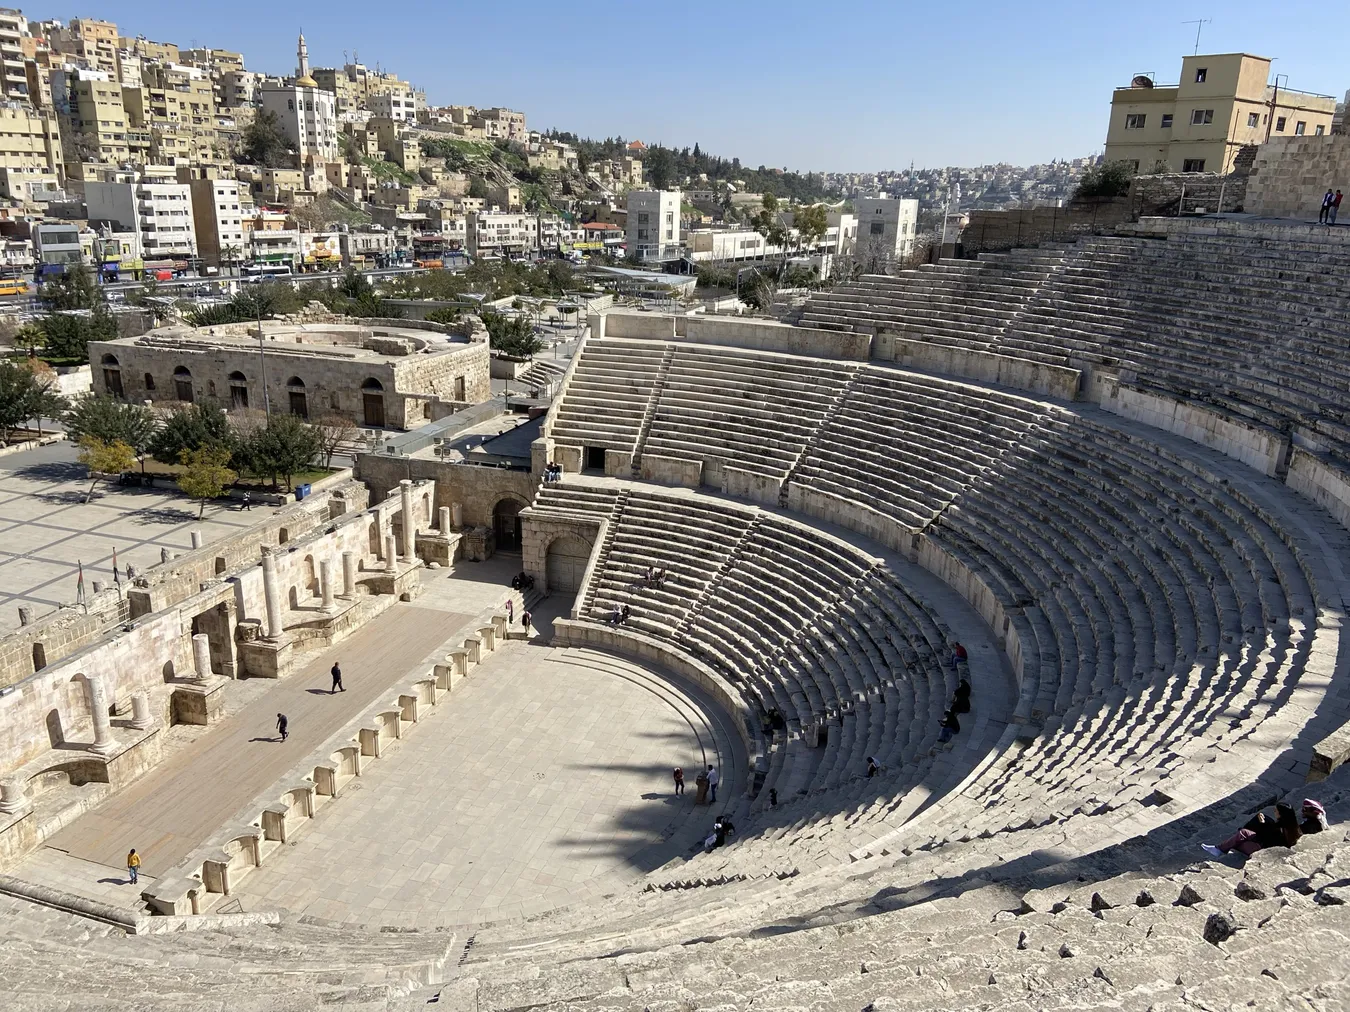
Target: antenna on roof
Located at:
point(1199, 23)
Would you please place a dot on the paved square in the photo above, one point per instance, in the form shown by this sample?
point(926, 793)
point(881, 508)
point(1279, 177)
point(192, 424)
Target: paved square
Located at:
point(46, 529)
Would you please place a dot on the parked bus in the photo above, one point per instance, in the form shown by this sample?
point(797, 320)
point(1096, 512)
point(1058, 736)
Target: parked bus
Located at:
point(13, 286)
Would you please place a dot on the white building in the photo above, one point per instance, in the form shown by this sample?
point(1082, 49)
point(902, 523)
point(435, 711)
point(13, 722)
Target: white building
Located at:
point(307, 113)
point(218, 219)
point(160, 211)
point(886, 225)
point(13, 74)
point(501, 233)
point(398, 103)
point(654, 224)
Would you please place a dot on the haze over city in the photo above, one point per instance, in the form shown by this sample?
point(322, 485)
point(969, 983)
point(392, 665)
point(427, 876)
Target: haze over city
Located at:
point(789, 84)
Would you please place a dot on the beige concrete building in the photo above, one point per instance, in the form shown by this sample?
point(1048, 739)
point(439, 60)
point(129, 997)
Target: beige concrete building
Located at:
point(218, 219)
point(30, 141)
point(90, 43)
point(396, 374)
point(94, 119)
point(1222, 102)
point(13, 75)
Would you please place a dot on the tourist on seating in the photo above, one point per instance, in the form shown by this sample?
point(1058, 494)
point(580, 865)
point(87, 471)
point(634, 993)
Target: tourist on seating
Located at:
point(1260, 832)
point(773, 797)
point(722, 828)
point(679, 781)
point(948, 727)
point(133, 866)
point(872, 768)
point(1327, 198)
point(623, 615)
point(1314, 817)
point(961, 698)
point(649, 576)
point(615, 616)
point(714, 778)
point(958, 654)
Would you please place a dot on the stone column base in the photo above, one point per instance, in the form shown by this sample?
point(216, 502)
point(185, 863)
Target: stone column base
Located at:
point(198, 703)
point(266, 658)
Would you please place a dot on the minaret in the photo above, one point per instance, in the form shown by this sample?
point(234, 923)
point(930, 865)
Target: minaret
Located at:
point(302, 54)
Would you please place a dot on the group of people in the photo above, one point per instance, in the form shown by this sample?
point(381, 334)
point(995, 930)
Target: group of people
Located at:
point(706, 782)
point(722, 828)
point(1331, 206)
point(654, 578)
point(619, 615)
point(1284, 829)
point(552, 472)
point(522, 581)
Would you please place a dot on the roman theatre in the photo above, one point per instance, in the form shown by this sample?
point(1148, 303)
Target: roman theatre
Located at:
point(1102, 483)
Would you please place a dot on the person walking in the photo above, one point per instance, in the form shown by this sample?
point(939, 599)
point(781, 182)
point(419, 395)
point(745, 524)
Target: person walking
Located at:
point(281, 725)
point(247, 503)
point(679, 781)
point(714, 778)
point(133, 866)
point(1335, 208)
point(510, 611)
point(336, 672)
point(1326, 206)
point(525, 620)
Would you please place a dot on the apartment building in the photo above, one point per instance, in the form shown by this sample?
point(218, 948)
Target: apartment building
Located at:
point(141, 46)
point(654, 224)
point(93, 118)
point(237, 88)
point(218, 219)
point(501, 233)
point(346, 95)
point(886, 225)
point(1222, 102)
point(307, 113)
point(30, 187)
point(161, 211)
point(30, 141)
point(56, 246)
point(397, 103)
point(501, 124)
point(89, 43)
point(13, 72)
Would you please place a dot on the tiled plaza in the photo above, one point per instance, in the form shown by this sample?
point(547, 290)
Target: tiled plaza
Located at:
point(47, 529)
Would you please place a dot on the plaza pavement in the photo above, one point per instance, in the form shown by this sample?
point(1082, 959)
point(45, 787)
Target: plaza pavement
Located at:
point(46, 528)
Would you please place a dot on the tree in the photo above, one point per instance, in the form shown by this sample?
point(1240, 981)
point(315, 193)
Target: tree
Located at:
point(104, 459)
point(207, 474)
point(75, 288)
point(769, 223)
point(264, 142)
point(1106, 179)
point(66, 335)
point(231, 256)
point(191, 427)
point(811, 223)
point(335, 431)
point(286, 445)
point(23, 395)
point(112, 420)
point(511, 335)
point(478, 188)
point(659, 166)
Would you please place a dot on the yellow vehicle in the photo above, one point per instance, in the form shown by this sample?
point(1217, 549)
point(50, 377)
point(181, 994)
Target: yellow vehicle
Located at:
point(13, 287)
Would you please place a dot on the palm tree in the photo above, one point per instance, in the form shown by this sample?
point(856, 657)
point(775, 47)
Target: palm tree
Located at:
point(231, 255)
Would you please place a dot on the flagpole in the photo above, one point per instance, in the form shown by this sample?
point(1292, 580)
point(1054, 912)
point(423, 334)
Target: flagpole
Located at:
point(79, 589)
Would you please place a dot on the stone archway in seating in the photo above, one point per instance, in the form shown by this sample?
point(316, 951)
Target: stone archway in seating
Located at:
point(565, 563)
point(506, 523)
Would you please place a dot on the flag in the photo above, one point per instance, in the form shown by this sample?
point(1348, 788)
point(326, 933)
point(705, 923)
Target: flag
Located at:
point(79, 586)
point(117, 577)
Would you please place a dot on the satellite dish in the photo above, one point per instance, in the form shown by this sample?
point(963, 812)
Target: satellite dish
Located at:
point(1141, 81)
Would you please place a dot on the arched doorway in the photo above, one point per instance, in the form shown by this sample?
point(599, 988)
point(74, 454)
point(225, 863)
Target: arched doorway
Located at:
point(238, 390)
point(372, 402)
point(506, 524)
point(112, 376)
point(566, 563)
point(182, 384)
point(295, 390)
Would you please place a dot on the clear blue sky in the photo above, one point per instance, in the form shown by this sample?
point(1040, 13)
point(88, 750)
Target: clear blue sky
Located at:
point(842, 86)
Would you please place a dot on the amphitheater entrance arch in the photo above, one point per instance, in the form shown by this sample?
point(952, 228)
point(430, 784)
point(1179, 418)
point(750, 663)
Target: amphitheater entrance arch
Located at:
point(506, 524)
point(566, 563)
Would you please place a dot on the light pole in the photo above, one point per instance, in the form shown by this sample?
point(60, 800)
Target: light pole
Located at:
point(262, 359)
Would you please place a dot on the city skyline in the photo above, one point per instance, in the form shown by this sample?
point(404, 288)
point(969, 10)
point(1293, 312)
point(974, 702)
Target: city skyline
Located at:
point(974, 99)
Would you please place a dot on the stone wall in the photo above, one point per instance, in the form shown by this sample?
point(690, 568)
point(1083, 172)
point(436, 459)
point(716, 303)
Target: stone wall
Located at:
point(422, 377)
point(734, 332)
point(1291, 174)
point(986, 367)
point(995, 231)
point(58, 634)
point(476, 489)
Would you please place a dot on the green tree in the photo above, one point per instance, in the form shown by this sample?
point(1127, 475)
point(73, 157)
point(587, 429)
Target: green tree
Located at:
point(1106, 179)
point(769, 222)
point(112, 420)
point(658, 165)
point(24, 394)
point(811, 223)
point(76, 288)
point(264, 142)
point(191, 427)
point(281, 448)
point(207, 474)
point(478, 188)
point(66, 335)
point(511, 335)
point(104, 459)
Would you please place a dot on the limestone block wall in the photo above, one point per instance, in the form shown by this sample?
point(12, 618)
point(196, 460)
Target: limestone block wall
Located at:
point(987, 367)
point(537, 533)
point(477, 489)
point(734, 332)
point(1324, 484)
point(995, 231)
point(436, 375)
point(57, 635)
point(1291, 174)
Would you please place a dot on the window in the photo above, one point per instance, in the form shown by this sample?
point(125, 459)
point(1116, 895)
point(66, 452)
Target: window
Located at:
point(1193, 165)
point(878, 227)
point(1279, 124)
point(1300, 128)
point(1253, 119)
point(1135, 121)
point(1202, 117)
point(670, 234)
point(643, 218)
point(1167, 121)
point(1200, 74)
point(1317, 132)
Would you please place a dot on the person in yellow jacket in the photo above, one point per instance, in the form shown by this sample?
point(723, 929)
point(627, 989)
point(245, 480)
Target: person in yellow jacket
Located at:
point(133, 865)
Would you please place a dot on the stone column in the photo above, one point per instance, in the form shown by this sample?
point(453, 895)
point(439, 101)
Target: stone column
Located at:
point(196, 539)
point(140, 712)
point(104, 742)
point(25, 616)
point(12, 801)
point(348, 574)
point(201, 656)
point(443, 518)
point(409, 524)
point(269, 566)
point(457, 514)
point(326, 583)
point(391, 553)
